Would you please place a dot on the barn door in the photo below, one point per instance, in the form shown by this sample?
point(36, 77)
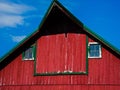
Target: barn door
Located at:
point(76, 52)
point(61, 54)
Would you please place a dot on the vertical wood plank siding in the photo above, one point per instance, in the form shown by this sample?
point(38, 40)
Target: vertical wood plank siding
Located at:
point(63, 87)
point(103, 74)
point(61, 47)
point(60, 54)
point(105, 70)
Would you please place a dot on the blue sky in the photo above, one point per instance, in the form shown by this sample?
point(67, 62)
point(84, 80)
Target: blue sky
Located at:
point(19, 18)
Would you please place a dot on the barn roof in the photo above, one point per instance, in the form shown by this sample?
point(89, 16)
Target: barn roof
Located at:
point(73, 18)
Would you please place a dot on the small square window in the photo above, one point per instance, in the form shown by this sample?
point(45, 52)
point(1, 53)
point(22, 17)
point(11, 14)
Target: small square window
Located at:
point(94, 50)
point(28, 54)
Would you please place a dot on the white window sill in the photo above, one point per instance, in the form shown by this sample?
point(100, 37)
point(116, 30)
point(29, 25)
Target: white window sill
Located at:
point(28, 59)
point(95, 57)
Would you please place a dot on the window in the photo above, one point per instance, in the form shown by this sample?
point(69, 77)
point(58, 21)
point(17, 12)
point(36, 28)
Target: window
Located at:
point(94, 50)
point(29, 54)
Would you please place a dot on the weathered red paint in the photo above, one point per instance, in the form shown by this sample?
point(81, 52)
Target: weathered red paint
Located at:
point(103, 74)
point(60, 53)
point(106, 69)
point(64, 87)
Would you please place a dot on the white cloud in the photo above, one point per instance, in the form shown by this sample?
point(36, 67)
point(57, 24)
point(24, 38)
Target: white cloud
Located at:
point(12, 14)
point(17, 38)
point(11, 20)
point(12, 8)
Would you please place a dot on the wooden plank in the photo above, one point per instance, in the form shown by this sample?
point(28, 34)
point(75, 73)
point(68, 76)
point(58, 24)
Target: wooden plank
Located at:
point(104, 71)
point(61, 87)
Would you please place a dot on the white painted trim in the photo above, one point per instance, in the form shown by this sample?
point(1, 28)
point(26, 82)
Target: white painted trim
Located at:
point(92, 43)
point(28, 59)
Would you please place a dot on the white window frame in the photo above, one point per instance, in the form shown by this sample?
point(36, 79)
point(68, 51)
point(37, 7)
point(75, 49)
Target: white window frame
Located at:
point(32, 54)
point(100, 50)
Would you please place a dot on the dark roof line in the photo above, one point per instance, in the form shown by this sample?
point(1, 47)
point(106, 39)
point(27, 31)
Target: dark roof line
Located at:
point(113, 48)
point(85, 28)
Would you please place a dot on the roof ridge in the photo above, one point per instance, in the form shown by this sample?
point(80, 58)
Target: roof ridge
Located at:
point(108, 44)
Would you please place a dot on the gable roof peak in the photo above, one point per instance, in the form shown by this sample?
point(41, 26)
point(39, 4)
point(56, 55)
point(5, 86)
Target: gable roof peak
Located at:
point(73, 18)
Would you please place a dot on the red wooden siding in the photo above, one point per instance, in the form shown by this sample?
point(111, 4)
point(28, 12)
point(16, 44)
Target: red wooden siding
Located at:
point(105, 70)
point(62, 87)
point(103, 74)
point(77, 52)
point(61, 47)
point(60, 54)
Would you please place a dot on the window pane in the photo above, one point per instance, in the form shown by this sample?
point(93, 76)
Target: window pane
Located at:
point(96, 46)
point(91, 50)
point(28, 53)
point(94, 50)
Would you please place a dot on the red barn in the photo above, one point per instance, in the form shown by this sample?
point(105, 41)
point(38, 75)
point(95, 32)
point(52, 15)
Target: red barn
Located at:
point(61, 55)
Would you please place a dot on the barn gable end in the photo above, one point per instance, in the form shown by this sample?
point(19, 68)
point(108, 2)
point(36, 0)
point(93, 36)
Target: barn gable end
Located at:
point(74, 19)
point(62, 45)
point(61, 57)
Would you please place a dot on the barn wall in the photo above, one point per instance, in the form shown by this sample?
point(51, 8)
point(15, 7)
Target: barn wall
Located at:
point(103, 73)
point(62, 42)
point(59, 54)
point(62, 87)
point(105, 70)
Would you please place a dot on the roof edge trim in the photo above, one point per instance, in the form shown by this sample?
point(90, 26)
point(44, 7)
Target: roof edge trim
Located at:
point(108, 44)
point(30, 35)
